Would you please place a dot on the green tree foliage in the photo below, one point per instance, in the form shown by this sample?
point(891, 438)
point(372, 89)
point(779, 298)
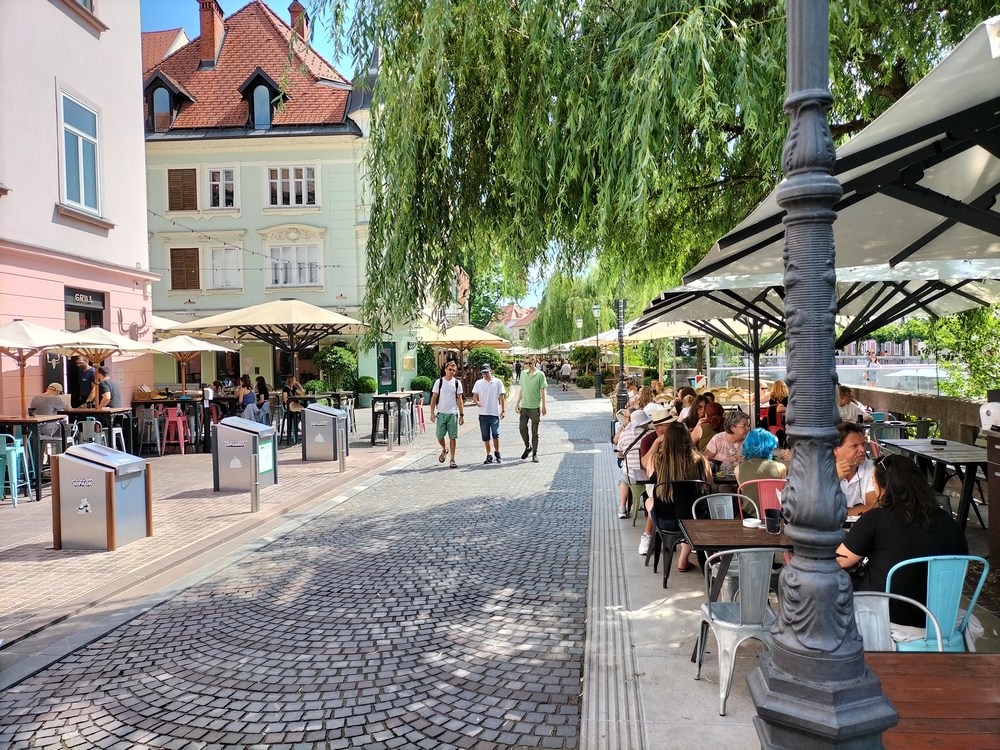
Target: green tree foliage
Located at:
point(484, 355)
point(583, 357)
point(557, 131)
point(968, 348)
point(335, 363)
point(897, 333)
point(485, 294)
point(426, 362)
point(565, 299)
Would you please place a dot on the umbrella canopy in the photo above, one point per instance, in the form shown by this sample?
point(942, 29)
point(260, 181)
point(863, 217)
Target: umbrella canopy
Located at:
point(184, 349)
point(289, 325)
point(463, 338)
point(97, 344)
point(660, 330)
point(162, 324)
point(21, 340)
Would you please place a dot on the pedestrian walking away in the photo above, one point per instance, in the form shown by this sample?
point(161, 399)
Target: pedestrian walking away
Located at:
point(564, 372)
point(488, 393)
point(517, 372)
point(530, 405)
point(447, 410)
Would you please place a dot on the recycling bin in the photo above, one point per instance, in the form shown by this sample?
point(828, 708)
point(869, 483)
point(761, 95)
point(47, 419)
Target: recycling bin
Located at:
point(102, 498)
point(324, 434)
point(234, 441)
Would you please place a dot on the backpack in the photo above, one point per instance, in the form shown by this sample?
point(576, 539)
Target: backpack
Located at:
point(441, 381)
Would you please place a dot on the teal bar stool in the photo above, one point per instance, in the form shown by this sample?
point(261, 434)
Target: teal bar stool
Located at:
point(16, 459)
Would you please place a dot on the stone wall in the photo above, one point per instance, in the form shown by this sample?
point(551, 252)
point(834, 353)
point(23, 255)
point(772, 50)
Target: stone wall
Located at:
point(957, 417)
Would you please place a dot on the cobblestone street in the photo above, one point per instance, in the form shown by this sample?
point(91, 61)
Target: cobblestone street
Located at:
point(437, 609)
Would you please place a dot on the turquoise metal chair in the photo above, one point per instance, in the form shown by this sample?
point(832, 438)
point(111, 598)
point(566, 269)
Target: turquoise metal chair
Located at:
point(871, 615)
point(945, 578)
point(734, 622)
point(15, 460)
point(877, 416)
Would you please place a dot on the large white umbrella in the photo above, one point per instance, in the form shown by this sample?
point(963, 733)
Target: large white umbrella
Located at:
point(184, 349)
point(290, 325)
point(97, 344)
point(465, 337)
point(21, 340)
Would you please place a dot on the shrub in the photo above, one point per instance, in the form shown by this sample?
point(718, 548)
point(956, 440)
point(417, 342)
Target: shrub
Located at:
point(585, 381)
point(485, 355)
point(421, 383)
point(367, 384)
point(335, 362)
point(647, 381)
point(315, 386)
point(649, 372)
point(582, 357)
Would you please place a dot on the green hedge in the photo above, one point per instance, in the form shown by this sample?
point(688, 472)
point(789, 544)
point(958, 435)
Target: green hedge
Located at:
point(421, 383)
point(367, 384)
point(585, 381)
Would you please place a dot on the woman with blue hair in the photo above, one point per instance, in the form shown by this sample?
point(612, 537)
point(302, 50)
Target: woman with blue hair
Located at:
point(758, 448)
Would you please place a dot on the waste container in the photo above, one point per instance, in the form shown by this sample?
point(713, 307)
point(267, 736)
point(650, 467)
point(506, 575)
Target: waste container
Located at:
point(234, 441)
point(102, 498)
point(324, 434)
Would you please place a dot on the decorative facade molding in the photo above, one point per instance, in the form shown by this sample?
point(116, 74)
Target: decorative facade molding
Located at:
point(292, 233)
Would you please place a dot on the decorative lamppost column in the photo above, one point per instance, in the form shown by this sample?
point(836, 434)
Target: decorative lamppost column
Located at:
point(622, 392)
point(813, 689)
point(596, 309)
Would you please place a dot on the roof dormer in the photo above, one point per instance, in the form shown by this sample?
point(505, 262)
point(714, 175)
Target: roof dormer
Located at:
point(261, 94)
point(164, 98)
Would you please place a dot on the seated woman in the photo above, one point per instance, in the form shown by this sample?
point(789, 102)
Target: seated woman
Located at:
point(696, 413)
point(245, 393)
point(758, 447)
point(777, 405)
point(708, 426)
point(671, 458)
point(727, 446)
point(905, 523)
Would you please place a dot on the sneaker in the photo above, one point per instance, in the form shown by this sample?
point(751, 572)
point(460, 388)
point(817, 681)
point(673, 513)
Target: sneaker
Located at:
point(645, 543)
point(622, 511)
point(489, 460)
point(497, 456)
point(525, 454)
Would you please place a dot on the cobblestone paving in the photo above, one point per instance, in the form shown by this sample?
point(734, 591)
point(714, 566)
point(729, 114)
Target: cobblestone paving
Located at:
point(439, 609)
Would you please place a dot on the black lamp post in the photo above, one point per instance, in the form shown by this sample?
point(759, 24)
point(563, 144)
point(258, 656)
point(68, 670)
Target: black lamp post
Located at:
point(813, 689)
point(622, 392)
point(596, 309)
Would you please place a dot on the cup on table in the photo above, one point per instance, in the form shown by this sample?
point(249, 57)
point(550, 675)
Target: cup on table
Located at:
point(772, 520)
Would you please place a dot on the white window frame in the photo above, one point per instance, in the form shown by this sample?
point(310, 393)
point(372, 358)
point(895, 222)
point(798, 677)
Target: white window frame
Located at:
point(293, 270)
point(236, 252)
point(63, 128)
point(294, 185)
point(223, 238)
point(208, 170)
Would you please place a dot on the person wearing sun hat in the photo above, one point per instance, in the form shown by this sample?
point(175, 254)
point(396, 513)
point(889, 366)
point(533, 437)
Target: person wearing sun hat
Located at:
point(660, 419)
point(628, 452)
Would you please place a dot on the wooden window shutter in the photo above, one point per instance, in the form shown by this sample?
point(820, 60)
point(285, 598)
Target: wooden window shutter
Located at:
point(184, 268)
point(182, 188)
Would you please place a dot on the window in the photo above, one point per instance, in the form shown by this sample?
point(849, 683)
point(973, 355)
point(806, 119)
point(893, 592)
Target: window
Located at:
point(291, 186)
point(184, 268)
point(261, 108)
point(182, 188)
point(88, 4)
point(295, 265)
point(221, 188)
point(161, 109)
point(225, 267)
point(80, 154)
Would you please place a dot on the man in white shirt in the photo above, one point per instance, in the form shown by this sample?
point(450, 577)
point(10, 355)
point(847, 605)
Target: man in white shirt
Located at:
point(488, 393)
point(849, 410)
point(855, 471)
point(564, 372)
point(447, 409)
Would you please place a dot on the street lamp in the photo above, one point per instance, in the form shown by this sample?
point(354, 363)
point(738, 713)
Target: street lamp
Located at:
point(596, 309)
point(622, 392)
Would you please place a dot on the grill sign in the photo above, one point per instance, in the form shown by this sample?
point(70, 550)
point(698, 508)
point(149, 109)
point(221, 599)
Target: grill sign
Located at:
point(236, 443)
point(83, 482)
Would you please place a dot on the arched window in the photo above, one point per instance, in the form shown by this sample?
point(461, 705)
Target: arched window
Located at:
point(261, 108)
point(161, 109)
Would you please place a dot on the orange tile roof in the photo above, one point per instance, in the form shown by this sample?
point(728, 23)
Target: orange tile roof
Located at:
point(155, 45)
point(254, 37)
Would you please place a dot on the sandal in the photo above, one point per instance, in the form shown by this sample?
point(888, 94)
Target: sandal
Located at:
point(443, 456)
point(685, 569)
point(454, 465)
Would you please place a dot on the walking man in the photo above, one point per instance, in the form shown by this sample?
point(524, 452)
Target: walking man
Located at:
point(564, 372)
point(488, 393)
point(531, 405)
point(447, 402)
point(517, 372)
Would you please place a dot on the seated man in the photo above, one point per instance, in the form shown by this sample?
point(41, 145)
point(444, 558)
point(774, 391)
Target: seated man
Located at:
point(46, 404)
point(854, 469)
point(849, 409)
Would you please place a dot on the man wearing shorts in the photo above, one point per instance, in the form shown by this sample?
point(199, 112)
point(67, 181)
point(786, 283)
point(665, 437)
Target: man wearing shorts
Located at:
point(447, 409)
point(531, 406)
point(488, 394)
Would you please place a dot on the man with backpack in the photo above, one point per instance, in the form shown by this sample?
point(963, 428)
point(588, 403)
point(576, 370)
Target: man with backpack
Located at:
point(447, 409)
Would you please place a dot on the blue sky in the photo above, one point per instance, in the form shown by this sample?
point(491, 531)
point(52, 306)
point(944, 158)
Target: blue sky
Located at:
point(158, 15)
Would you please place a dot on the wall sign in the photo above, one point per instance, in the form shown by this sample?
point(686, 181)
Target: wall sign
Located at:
point(82, 299)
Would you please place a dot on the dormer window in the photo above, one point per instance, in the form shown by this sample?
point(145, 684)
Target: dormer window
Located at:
point(261, 94)
point(164, 98)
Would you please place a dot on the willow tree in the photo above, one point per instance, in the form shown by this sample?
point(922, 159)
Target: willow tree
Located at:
point(558, 131)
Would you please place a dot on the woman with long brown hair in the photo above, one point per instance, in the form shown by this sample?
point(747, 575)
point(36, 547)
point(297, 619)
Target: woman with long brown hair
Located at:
point(672, 458)
point(645, 397)
point(696, 413)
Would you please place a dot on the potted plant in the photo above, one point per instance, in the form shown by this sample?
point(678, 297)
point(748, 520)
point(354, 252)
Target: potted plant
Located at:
point(336, 362)
point(422, 383)
point(366, 387)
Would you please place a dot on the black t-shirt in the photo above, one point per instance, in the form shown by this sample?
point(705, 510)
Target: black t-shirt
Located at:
point(885, 539)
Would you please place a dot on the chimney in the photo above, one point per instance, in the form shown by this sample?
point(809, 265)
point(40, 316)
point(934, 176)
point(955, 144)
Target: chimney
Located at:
point(300, 20)
point(212, 30)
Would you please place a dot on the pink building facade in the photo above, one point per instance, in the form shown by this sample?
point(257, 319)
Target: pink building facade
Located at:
point(74, 250)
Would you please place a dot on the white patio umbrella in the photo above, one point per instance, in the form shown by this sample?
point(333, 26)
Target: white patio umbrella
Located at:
point(21, 340)
point(184, 349)
point(464, 337)
point(97, 344)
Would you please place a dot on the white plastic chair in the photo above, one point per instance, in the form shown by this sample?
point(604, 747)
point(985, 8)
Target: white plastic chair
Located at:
point(871, 614)
point(734, 622)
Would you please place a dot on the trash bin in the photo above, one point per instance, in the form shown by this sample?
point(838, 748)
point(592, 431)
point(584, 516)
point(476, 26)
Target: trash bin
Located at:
point(324, 434)
point(234, 441)
point(102, 498)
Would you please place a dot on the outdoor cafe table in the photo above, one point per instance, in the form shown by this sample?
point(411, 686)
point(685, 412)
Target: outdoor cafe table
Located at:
point(949, 700)
point(106, 417)
point(11, 424)
point(967, 460)
point(396, 397)
point(186, 405)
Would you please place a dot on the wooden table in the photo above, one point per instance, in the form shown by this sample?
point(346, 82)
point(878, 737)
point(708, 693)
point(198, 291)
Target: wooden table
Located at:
point(967, 460)
point(947, 700)
point(106, 417)
point(33, 425)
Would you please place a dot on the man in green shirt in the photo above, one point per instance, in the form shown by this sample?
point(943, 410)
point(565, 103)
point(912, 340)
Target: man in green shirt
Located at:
point(530, 405)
